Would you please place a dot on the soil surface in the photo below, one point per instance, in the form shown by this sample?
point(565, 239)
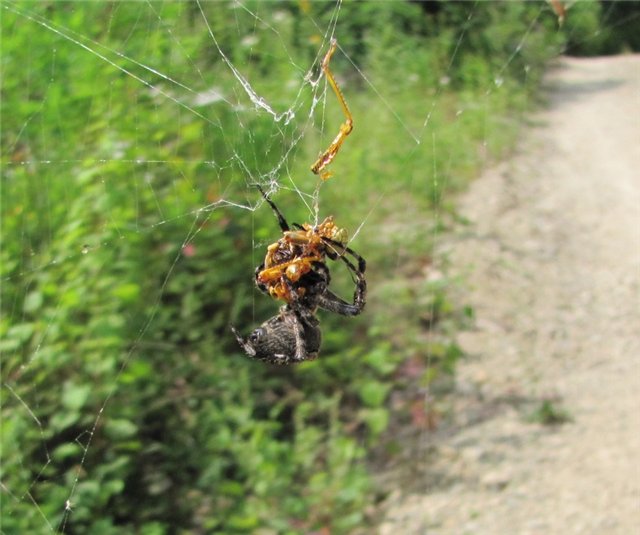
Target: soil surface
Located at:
point(551, 262)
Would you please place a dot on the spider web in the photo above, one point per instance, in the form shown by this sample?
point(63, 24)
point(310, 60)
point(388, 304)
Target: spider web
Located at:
point(249, 132)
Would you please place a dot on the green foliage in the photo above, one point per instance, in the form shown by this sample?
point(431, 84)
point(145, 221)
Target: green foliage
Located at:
point(585, 35)
point(549, 412)
point(122, 388)
point(595, 27)
point(621, 19)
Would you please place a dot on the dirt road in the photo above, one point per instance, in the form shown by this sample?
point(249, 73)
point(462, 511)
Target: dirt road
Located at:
point(552, 262)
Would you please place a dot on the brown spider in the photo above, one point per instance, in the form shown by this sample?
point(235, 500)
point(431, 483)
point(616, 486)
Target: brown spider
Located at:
point(291, 336)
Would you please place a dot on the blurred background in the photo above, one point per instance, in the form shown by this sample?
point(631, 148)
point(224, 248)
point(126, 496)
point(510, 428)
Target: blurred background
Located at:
point(132, 135)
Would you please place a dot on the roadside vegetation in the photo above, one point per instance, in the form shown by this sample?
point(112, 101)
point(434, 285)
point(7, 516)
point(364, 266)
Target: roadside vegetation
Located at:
point(127, 406)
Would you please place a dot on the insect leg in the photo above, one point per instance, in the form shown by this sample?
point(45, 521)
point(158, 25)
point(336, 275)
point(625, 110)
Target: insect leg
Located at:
point(281, 220)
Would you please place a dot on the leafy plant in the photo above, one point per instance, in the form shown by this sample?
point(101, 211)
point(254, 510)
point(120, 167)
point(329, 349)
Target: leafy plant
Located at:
point(549, 412)
point(126, 405)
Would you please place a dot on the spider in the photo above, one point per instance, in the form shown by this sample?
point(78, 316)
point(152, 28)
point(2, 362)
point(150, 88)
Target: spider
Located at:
point(345, 128)
point(294, 335)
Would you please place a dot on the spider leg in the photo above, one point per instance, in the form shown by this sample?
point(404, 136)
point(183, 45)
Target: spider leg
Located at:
point(298, 333)
point(331, 302)
point(281, 220)
point(248, 348)
point(360, 293)
point(261, 286)
point(304, 324)
point(337, 250)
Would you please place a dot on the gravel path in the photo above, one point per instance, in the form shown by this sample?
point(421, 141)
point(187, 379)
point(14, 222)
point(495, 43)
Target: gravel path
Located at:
point(552, 262)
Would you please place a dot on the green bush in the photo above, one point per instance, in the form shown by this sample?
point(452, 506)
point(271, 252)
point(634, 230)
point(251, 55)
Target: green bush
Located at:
point(585, 36)
point(595, 27)
point(127, 406)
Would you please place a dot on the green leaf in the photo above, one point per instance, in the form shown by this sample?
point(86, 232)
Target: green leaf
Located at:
point(243, 522)
point(119, 428)
point(231, 488)
point(70, 298)
point(373, 393)
point(380, 360)
point(136, 369)
point(153, 528)
point(112, 487)
point(21, 332)
point(32, 302)
point(126, 292)
point(64, 451)
point(9, 345)
point(64, 419)
point(75, 396)
point(376, 419)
